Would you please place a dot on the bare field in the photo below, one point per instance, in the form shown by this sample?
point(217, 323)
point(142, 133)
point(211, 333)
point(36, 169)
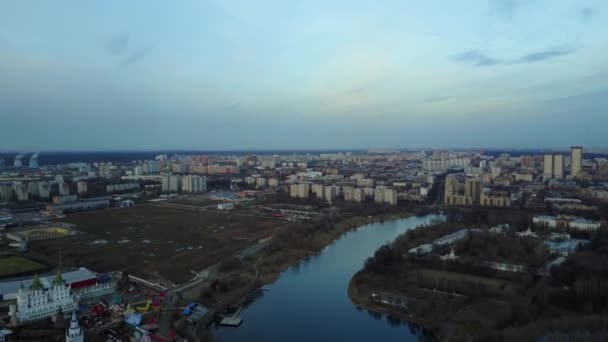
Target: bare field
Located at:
point(156, 242)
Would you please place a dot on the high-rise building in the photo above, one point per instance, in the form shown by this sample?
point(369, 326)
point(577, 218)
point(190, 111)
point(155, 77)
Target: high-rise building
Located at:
point(383, 195)
point(22, 192)
point(451, 187)
point(300, 190)
point(268, 163)
point(558, 166)
point(2, 165)
point(390, 196)
point(576, 160)
point(6, 191)
point(331, 193)
point(164, 182)
point(82, 188)
point(151, 167)
point(261, 182)
point(553, 166)
point(174, 183)
point(64, 189)
point(349, 193)
point(194, 183)
point(548, 166)
point(44, 190)
point(379, 194)
point(32, 188)
point(472, 188)
point(317, 190)
point(105, 170)
point(359, 195)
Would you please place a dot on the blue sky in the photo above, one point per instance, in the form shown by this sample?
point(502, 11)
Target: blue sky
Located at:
point(268, 74)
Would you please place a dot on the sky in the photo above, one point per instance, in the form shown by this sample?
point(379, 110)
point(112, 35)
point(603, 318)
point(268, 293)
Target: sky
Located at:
point(311, 74)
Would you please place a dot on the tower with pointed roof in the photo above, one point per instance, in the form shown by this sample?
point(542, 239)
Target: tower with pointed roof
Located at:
point(74, 332)
point(44, 299)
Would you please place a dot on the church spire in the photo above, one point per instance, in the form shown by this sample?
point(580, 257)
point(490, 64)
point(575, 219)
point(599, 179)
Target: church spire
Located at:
point(36, 283)
point(74, 332)
point(58, 279)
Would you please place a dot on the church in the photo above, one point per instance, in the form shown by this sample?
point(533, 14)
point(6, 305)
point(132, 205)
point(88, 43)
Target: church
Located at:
point(38, 303)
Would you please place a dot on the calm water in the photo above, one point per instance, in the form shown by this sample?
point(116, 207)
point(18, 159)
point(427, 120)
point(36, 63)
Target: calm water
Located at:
point(309, 301)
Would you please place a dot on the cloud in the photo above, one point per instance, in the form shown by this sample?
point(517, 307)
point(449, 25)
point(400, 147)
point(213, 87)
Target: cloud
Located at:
point(136, 55)
point(480, 59)
point(358, 90)
point(544, 55)
point(117, 44)
point(233, 106)
point(475, 58)
point(505, 9)
point(436, 99)
point(586, 14)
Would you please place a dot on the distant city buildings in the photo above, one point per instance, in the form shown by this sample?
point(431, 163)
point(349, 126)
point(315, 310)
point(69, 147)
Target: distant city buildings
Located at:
point(566, 222)
point(194, 184)
point(576, 160)
point(300, 190)
point(464, 191)
point(554, 166)
point(121, 187)
point(82, 188)
point(151, 167)
point(331, 193)
point(383, 195)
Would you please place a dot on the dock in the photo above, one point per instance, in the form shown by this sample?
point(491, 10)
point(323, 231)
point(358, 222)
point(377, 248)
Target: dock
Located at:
point(232, 321)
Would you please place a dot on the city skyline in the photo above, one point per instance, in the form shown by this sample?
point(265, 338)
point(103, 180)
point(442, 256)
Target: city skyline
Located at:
point(223, 75)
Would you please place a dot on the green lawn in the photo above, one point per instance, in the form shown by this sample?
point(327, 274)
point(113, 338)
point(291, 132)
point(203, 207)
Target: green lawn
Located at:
point(16, 264)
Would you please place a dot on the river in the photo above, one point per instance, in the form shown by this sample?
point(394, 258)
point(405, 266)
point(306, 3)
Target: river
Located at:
point(309, 301)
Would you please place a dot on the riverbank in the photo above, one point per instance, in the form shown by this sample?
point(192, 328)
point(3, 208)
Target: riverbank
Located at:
point(313, 293)
point(456, 292)
point(279, 261)
point(361, 298)
point(266, 266)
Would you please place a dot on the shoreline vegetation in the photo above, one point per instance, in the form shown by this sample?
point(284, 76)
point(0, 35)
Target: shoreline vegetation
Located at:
point(459, 300)
point(237, 279)
point(271, 262)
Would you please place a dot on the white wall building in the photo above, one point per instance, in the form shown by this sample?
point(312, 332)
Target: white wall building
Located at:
point(576, 223)
point(38, 303)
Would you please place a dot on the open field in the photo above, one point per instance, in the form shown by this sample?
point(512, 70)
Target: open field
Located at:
point(157, 242)
point(15, 265)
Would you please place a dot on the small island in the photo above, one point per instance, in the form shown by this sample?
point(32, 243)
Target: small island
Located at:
point(491, 275)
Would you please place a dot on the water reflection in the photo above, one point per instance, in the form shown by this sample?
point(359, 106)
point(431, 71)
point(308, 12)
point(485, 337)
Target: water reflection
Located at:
point(309, 301)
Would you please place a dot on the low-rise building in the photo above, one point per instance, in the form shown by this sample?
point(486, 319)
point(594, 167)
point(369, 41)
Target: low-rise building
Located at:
point(566, 222)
